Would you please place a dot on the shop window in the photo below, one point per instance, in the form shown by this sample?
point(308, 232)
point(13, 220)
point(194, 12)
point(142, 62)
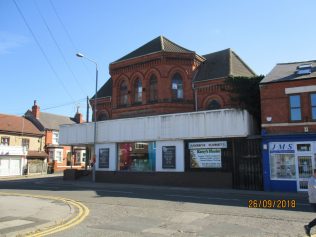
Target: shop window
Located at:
point(123, 93)
point(138, 156)
point(295, 108)
point(213, 104)
point(313, 104)
point(5, 141)
point(177, 86)
point(282, 166)
point(138, 91)
point(153, 94)
point(26, 143)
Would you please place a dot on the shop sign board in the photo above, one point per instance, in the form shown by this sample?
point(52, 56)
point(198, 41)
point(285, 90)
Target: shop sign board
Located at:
point(205, 158)
point(169, 157)
point(282, 147)
point(104, 157)
point(202, 145)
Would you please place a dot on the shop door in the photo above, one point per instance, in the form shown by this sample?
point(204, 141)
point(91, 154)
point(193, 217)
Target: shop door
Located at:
point(305, 171)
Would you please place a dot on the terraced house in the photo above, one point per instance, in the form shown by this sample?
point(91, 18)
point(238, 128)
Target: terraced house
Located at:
point(21, 148)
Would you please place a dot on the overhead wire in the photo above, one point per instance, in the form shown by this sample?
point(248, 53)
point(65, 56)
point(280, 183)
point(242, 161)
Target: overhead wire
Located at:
point(42, 50)
point(58, 47)
point(67, 33)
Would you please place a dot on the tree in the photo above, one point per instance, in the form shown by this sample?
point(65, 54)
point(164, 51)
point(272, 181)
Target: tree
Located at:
point(245, 93)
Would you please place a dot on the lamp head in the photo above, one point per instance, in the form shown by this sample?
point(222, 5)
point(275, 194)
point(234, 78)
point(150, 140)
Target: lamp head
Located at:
point(79, 55)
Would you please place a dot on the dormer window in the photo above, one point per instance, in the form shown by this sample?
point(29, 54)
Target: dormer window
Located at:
point(304, 69)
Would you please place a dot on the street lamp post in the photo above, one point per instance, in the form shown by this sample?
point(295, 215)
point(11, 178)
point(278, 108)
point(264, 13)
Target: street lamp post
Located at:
point(95, 109)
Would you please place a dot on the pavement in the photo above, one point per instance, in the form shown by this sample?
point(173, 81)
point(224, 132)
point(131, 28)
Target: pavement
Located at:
point(37, 215)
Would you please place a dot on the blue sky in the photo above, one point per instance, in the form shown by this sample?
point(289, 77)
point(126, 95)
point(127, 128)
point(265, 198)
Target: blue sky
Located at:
point(262, 33)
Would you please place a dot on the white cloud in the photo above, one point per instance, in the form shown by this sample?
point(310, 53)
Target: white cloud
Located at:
point(10, 41)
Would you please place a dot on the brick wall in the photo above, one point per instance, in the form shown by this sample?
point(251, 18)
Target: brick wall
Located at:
point(275, 104)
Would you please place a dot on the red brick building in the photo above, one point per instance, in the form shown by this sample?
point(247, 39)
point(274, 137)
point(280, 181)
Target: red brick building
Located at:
point(162, 77)
point(61, 157)
point(288, 109)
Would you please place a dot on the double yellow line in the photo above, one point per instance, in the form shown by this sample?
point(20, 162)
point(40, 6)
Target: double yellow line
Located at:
point(83, 212)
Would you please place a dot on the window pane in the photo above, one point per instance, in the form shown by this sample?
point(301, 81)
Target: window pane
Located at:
point(313, 99)
point(295, 101)
point(314, 113)
point(138, 156)
point(296, 114)
point(282, 166)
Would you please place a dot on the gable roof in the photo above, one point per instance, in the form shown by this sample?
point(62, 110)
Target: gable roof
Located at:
point(105, 90)
point(49, 121)
point(223, 63)
point(158, 44)
point(287, 72)
point(17, 124)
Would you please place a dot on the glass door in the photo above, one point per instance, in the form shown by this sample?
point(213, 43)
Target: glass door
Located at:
point(305, 171)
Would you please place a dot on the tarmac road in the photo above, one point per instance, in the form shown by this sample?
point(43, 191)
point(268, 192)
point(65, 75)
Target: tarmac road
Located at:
point(134, 210)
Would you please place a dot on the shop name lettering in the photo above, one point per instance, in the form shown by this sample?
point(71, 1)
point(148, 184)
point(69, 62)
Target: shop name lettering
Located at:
point(282, 147)
point(4, 153)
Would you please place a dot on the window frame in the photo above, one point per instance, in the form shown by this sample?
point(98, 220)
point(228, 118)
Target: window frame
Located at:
point(153, 88)
point(55, 137)
point(175, 92)
point(290, 108)
point(312, 106)
point(23, 142)
point(138, 91)
point(123, 97)
point(3, 138)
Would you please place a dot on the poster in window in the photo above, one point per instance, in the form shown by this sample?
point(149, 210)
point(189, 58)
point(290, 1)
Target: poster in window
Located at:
point(168, 157)
point(104, 154)
point(205, 158)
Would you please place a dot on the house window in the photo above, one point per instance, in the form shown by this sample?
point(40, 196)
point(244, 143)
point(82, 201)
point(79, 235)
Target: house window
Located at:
point(83, 157)
point(58, 156)
point(313, 104)
point(55, 137)
point(153, 88)
point(102, 116)
point(26, 143)
point(5, 141)
point(295, 108)
point(51, 156)
point(138, 91)
point(177, 87)
point(123, 93)
point(213, 104)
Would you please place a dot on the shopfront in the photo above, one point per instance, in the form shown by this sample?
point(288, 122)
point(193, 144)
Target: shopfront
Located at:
point(288, 162)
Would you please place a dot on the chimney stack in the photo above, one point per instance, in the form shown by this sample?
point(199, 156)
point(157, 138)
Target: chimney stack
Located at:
point(78, 116)
point(35, 110)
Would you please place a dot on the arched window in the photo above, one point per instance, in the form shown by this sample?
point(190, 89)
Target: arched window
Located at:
point(123, 93)
point(177, 87)
point(138, 91)
point(102, 116)
point(153, 95)
point(213, 104)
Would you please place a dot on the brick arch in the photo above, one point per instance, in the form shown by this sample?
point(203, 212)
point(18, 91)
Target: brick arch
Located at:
point(134, 76)
point(120, 78)
point(209, 98)
point(184, 77)
point(104, 113)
